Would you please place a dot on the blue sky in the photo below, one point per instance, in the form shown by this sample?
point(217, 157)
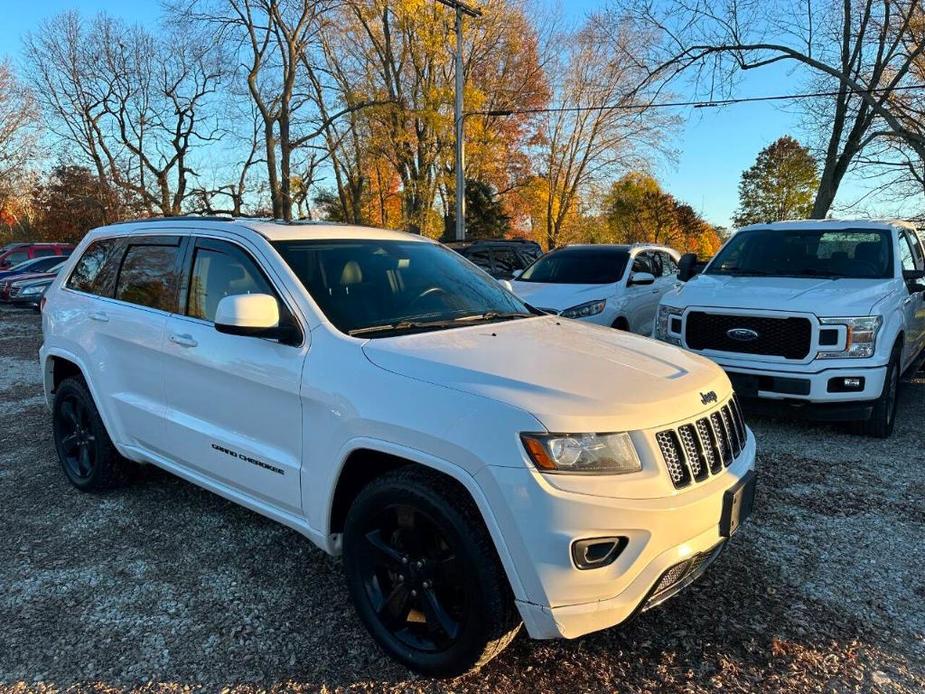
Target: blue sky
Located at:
point(714, 145)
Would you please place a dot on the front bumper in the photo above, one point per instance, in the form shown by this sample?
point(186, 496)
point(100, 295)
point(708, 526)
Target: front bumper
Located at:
point(811, 385)
point(540, 522)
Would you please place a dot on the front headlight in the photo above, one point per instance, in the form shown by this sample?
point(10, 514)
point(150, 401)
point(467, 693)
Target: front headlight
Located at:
point(587, 454)
point(860, 340)
point(35, 289)
point(663, 321)
point(591, 308)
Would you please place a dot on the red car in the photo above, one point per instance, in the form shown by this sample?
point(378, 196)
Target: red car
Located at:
point(15, 253)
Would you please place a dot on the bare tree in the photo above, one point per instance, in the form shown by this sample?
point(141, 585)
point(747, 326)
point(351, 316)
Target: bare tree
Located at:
point(133, 105)
point(17, 141)
point(604, 126)
point(864, 51)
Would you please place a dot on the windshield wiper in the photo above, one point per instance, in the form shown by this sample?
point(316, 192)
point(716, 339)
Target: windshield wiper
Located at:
point(492, 316)
point(400, 326)
point(403, 325)
point(735, 272)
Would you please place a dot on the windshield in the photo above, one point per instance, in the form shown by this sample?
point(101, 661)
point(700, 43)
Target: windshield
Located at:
point(375, 287)
point(578, 266)
point(835, 253)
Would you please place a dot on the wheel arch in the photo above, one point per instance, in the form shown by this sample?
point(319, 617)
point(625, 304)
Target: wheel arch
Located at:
point(58, 365)
point(367, 460)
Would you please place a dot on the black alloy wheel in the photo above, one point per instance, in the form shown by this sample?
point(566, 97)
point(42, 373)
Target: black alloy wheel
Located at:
point(78, 442)
point(87, 455)
point(412, 580)
point(424, 575)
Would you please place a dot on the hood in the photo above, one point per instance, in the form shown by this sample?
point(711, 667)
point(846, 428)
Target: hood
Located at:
point(571, 375)
point(560, 296)
point(29, 276)
point(842, 297)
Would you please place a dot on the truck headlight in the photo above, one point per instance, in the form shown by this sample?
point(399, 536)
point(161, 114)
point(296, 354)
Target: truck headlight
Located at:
point(861, 339)
point(591, 308)
point(668, 324)
point(585, 454)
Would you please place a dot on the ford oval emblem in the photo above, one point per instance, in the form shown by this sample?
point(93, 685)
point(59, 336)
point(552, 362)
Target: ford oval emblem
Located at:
point(742, 334)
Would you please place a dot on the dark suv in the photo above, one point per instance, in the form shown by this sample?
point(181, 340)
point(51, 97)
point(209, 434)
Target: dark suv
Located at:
point(500, 258)
point(16, 253)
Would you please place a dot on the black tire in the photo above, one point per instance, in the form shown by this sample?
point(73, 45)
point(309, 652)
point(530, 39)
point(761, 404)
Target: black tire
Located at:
point(620, 324)
point(424, 575)
point(85, 451)
point(883, 418)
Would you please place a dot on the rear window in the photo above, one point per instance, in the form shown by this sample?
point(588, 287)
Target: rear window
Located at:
point(578, 266)
point(87, 276)
point(148, 276)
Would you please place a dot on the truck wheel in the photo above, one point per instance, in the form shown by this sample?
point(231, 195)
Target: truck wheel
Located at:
point(883, 417)
point(424, 576)
point(85, 451)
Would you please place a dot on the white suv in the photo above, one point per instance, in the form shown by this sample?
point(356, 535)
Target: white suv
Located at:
point(825, 314)
point(478, 465)
point(616, 286)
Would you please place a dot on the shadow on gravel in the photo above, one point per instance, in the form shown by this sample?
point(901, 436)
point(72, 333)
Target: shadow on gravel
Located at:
point(163, 586)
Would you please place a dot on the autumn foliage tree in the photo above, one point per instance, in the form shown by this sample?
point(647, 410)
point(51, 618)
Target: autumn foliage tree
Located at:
point(637, 210)
point(780, 185)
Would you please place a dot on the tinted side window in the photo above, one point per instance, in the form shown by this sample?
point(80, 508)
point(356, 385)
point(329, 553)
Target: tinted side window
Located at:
point(641, 263)
point(42, 252)
point(506, 261)
point(219, 274)
point(87, 271)
point(905, 253)
point(917, 254)
point(148, 276)
point(15, 258)
point(481, 257)
point(669, 266)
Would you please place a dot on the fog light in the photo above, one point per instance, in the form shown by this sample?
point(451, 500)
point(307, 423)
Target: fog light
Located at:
point(846, 384)
point(597, 552)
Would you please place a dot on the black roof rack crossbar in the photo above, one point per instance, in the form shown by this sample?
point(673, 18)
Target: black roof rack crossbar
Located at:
point(178, 218)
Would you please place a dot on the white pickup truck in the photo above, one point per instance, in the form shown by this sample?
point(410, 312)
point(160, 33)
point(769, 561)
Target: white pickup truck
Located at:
point(824, 313)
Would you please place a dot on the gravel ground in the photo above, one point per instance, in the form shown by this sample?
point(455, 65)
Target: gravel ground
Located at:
point(164, 587)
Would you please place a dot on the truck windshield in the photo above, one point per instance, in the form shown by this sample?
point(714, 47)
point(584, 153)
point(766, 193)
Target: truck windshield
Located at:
point(834, 253)
point(376, 288)
point(599, 265)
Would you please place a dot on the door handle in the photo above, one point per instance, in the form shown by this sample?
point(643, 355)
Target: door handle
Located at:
point(908, 299)
point(99, 316)
point(183, 340)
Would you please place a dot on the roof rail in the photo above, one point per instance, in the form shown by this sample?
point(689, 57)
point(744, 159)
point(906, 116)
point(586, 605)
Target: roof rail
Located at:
point(178, 218)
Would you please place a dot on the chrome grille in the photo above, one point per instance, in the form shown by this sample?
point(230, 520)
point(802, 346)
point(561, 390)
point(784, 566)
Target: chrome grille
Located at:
point(696, 450)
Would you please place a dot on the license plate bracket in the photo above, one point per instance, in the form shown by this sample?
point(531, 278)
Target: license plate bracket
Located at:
point(738, 503)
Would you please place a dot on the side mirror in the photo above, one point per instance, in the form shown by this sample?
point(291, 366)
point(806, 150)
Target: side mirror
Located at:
point(252, 315)
point(641, 278)
point(687, 266)
point(517, 273)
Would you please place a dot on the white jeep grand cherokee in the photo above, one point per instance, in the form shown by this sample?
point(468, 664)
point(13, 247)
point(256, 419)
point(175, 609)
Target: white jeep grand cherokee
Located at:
point(825, 314)
point(477, 464)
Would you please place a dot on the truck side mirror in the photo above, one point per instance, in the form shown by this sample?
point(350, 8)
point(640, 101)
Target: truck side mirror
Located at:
point(687, 266)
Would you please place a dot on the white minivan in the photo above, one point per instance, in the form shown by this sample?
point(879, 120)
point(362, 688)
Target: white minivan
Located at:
point(824, 315)
point(478, 465)
point(612, 285)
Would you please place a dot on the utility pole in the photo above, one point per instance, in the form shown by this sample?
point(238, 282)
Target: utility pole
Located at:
point(459, 116)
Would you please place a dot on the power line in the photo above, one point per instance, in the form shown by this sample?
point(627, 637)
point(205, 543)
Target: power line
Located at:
point(695, 104)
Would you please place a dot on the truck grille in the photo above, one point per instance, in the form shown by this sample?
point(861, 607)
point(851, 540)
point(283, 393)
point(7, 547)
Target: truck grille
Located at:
point(696, 450)
point(780, 337)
